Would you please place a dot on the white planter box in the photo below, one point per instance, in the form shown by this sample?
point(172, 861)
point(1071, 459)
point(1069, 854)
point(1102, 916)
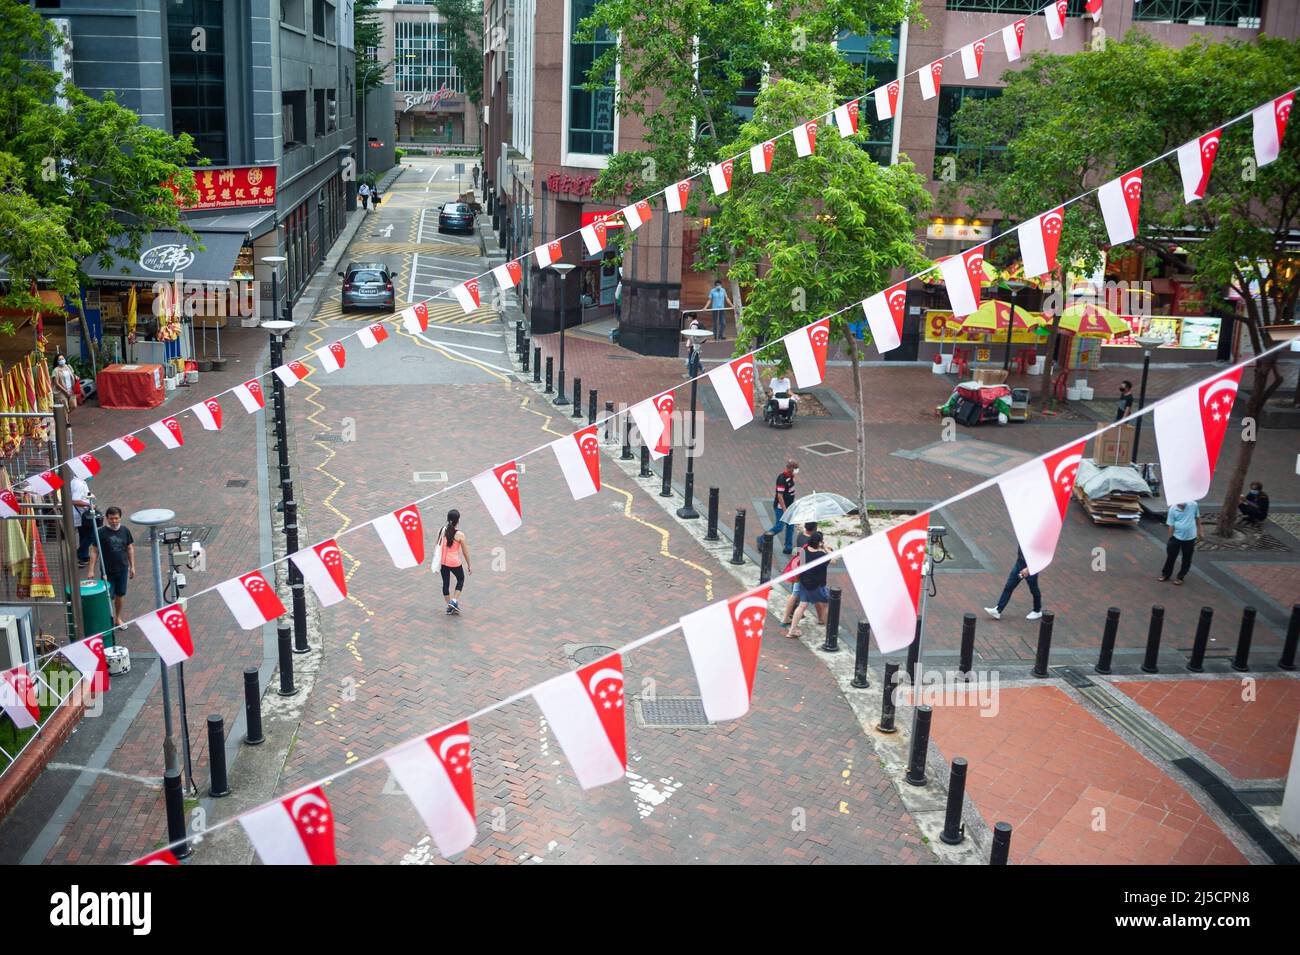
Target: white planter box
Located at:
point(1072, 394)
point(942, 366)
point(1085, 394)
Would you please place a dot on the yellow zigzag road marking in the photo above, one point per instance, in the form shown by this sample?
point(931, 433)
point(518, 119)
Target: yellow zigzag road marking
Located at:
point(627, 509)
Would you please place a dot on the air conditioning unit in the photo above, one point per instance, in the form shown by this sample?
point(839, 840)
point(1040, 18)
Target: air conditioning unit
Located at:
point(16, 646)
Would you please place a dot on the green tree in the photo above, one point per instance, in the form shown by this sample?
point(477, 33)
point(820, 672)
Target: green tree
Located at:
point(813, 235)
point(367, 37)
point(78, 179)
point(464, 21)
point(1071, 122)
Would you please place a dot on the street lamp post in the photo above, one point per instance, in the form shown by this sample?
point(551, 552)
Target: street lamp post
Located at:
point(152, 518)
point(1016, 287)
point(687, 511)
point(562, 269)
point(1149, 342)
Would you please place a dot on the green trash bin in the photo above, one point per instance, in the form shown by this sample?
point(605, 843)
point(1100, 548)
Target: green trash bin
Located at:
point(97, 609)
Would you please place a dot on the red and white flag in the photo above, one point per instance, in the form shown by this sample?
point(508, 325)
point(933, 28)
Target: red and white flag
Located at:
point(637, 214)
point(1039, 239)
point(846, 118)
point(1093, 9)
point(1269, 126)
point(972, 58)
point(734, 383)
point(654, 422)
point(298, 830)
point(322, 567)
point(402, 533)
point(161, 857)
point(1054, 16)
point(251, 599)
point(437, 775)
point(292, 373)
point(499, 489)
point(370, 336)
point(8, 503)
point(930, 78)
point(508, 275)
point(209, 414)
point(675, 196)
point(585, 710)
point(1120, 201)
point(415, 319)
point(18, 698)
point(594, 235)
point(1013, 39)
point(885, 312)
point(1190, 425)
point(1037, 495)
point(579, 457)
point(47, 482)
point(887, 99)
point(85, 467)
point(127, 446)
point(807, 349)
point(963, 275)
point(724, 639)
point(760, 156)
point(88, 657)
point(332, 357)
point(250, 395)
point(805, 138)
point(548, 253)
point(168, 632)
point(886, 573)
point(1195, 160)
point(720, 176)
point(168, 431)
point(467, 295)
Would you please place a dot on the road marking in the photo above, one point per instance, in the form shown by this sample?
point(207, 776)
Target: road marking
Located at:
point(451, 351)
point(388, 231)
point(152, 783)
point(493, 351)
point(464, 331)
point(410, 291)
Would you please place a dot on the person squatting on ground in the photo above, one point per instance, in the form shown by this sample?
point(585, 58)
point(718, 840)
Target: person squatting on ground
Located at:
point(453, 552)
point(1253, 505)
point(1018, 573)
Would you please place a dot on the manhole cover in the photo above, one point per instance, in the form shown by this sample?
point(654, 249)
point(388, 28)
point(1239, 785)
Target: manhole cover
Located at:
point(584, 655)
point(429, 477)
point(332, 436)
point(620, 357)
point(194, 532)
point(824, 449)
point(415, 358)
point(672, 712)
point(237, 482)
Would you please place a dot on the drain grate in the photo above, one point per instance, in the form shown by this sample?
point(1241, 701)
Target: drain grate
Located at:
point(237, 482)
point(584, 655)
point(1263, 541)
point(824, 449)
point(671, 712)
point(335, 436)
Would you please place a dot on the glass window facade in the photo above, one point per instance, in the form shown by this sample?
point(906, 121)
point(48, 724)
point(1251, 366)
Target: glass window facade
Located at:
point(877, 69)
point(1225, 13)
point(591, 115)
point(422, 58)
point(1026, 7)
point(198, 76)
point(946, 140)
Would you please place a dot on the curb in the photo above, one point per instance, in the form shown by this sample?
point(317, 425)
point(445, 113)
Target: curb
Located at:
point(54, 732)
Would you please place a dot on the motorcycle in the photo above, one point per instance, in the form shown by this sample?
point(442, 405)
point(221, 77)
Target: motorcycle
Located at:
point(779, 411)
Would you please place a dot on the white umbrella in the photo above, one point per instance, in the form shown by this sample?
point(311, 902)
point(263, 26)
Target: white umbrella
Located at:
point(819, 506)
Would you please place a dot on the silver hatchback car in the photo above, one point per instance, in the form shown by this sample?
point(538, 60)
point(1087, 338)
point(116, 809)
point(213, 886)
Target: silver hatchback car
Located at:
point(368, 285)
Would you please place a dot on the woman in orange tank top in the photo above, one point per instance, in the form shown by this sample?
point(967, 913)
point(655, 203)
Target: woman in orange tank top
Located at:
point(455, 552)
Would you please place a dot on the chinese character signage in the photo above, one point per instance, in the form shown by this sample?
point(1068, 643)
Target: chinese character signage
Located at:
point(234, 188)
point(608, 216)
point(574, 185)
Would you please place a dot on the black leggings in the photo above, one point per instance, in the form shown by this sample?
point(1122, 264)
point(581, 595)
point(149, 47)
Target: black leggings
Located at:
point(447, 573)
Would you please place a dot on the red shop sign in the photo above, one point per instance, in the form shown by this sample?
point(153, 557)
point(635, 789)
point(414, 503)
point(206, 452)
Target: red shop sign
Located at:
point(610, 217)
point(234, 188)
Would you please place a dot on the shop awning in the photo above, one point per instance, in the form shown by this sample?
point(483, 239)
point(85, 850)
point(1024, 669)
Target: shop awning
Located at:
point(165, 255)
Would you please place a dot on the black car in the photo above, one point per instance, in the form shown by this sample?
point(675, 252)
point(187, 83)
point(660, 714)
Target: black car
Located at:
point(368, 285)
point(456, 217)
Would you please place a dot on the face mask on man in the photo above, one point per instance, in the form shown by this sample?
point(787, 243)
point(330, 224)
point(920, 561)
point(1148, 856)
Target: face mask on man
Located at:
point(1253, 493)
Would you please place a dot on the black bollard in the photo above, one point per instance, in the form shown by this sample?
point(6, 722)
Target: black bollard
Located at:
point(286, 661)
point(953, 829)
point(645, 462)
point(1001, 850)
point(577, 397)
point(252, 708)
point(537, 364)
point(914, 654)
point(666, 488)
point(920, 745)
point(860, 654)
point(886, 724)
point(1108, 640)
point(527, 351)
point(712, 534)
point(627, 438)
point(1197, 663)
point(832, 641)
point(519, 337)
point(609, 420)
point(174, 799)
point(738, 538)
point(1241, 660)
point(217, 756)
point(1292, 640)
point(591, 407)
point(1156, 627)
point(967, 659)
point(550, 376)
point(1044, 644)
point(765, 558)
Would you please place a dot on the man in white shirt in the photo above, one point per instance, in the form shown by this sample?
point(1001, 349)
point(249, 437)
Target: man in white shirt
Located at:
point(79, 492)
point(778, 385)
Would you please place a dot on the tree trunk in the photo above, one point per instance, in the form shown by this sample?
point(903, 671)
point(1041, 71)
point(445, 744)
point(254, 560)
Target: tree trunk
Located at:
point(1045, 394)
point(1267, 380)
point(85, 334)
point(864, 522)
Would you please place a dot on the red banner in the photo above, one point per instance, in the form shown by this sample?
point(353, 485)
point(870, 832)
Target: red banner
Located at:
point(234, 188)
point(608, 216)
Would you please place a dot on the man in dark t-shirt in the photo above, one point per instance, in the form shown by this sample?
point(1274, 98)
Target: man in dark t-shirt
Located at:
point(782, 498)
point(1125, 406)
point(118, 551)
